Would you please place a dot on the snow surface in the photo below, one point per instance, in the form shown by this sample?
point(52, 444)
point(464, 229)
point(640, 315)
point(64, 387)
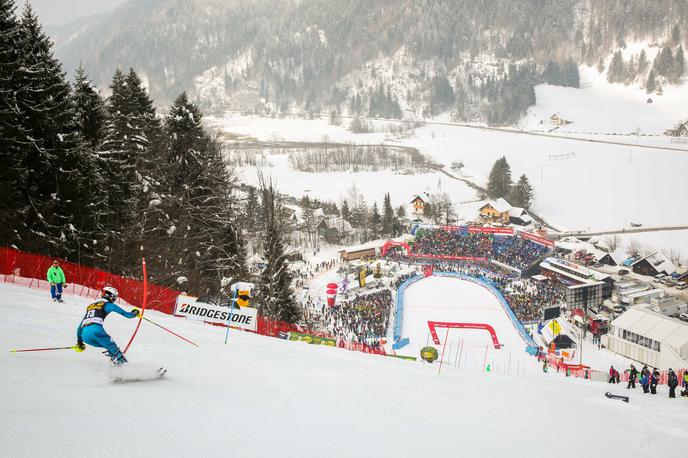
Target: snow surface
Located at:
point(260, 396)
point(603, 187)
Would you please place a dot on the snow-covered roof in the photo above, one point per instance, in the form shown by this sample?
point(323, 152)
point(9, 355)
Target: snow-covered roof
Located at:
point(548, 334)
point(660, 262)
point(618, 256)
point(643, 321)
point(500, 205)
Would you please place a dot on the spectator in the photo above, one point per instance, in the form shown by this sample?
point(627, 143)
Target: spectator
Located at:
point(645, 379)
point(672, 381)
point(56, 278)
point(612, 375)
point(654, 380)
point(632, 376)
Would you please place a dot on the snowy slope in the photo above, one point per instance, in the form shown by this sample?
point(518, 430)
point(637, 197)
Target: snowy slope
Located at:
point(259, 396)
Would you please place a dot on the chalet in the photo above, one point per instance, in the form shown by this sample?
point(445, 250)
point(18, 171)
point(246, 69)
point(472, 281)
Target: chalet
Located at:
point(333, 228)
point(557, 120)
point(368, 250)
point(615, 258)
point(496, 211)
point(418, 205)
point(519, 217)
point(654, 264)
point(680, 130)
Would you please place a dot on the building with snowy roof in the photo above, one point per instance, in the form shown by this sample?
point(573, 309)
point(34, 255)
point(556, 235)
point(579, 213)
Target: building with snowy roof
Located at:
point(557, 332)
point(519, 217)
point(571, 274)
point(654, 264)
point(495, 211)
point(649, 337)
point(615, 258)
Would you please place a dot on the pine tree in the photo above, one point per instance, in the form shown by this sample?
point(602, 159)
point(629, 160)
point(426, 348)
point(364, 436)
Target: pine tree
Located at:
point(252, 210)
point(375, 221)
point(651, 83)
point(44, 103)
point(387, 215)
point(499, 181)
point(571, 75)
point(522, 194)
point(679, 65)
point(12, 151)
point(642, 63)
point(664, 62)
point(615, 73)
point(276, 295)
point(89, 109)
point(346, 211)
point(205, 244)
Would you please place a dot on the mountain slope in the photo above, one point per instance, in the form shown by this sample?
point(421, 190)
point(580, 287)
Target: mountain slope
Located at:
point(478, 59)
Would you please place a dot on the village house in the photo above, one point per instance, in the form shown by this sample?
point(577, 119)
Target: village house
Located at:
point(654, 264)
point(495, 211)
point(557, 120)
point(418, 205)
point(681, 130)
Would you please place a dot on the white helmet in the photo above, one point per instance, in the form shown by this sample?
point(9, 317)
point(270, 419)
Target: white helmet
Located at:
point(109, 293)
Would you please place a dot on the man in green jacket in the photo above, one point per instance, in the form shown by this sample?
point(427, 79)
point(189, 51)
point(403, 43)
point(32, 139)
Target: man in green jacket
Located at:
point(56, 278)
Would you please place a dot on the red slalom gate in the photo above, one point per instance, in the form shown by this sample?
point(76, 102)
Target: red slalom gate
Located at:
point(453, 325)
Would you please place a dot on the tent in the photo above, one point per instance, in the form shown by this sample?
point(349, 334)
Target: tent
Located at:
point(559, 332)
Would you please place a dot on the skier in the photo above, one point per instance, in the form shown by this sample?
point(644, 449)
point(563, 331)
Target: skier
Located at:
point(91, 329)
point(654, 380)
point(632, 375)
point(672, 381)
point(612, 375)
point(56, 278)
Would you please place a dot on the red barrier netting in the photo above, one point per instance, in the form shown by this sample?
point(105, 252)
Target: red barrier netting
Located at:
point(82, 280)
point(88, 282)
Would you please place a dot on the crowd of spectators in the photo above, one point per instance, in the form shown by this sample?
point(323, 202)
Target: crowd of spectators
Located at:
point(442, 242)
point(527, 297)
point(516, 251)
point(513, 251)
point(363, 319)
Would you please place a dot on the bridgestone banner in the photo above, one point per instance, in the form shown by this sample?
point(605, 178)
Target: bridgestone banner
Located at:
point(244, 318)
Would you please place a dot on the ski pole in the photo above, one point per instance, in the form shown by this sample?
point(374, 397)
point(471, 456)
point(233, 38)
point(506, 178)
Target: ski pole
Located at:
point(45, 349)
point(171, 332)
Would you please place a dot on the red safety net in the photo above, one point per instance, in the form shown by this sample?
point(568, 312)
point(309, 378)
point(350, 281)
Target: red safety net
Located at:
point(82, 280)
point(88, 282)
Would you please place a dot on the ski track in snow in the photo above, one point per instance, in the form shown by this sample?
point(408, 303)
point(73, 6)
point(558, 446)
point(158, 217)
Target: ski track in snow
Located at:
point(261, 396)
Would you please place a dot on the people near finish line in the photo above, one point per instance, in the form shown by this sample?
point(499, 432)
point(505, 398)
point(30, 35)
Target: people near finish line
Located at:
point(614, 376)
point(654, 380)
point(672, 382)
point(91, 330)
point(645, 379)
point(632, 377)
point(56, 278)
point(364, 319)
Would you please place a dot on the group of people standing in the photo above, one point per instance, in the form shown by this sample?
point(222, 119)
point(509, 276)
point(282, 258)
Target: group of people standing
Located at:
point(649, 379)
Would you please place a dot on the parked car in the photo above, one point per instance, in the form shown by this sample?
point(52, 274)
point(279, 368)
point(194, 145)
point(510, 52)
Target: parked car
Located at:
point(681, 285)
point(683, 317)
point(659, 278)
point(668, 281)
point(622, 271)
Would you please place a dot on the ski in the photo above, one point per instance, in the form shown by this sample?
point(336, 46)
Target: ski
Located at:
point(130, 375)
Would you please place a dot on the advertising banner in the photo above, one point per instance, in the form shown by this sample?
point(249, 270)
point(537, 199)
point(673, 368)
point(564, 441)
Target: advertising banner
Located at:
point(537, 239)
point(244, 318)
point(297, 336)
point(490, 230)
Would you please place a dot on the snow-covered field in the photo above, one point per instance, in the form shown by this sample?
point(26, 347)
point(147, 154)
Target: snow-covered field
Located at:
point(600, 187)
point(453, 300)
point(664, 241)
point(260, 396)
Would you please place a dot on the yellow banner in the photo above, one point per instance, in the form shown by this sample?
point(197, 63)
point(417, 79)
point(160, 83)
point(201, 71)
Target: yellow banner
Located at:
point(555, 327)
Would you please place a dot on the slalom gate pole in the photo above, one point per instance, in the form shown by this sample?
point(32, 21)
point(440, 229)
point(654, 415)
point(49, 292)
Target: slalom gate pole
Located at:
point(43, 349)
point(508, 370)
point(143, 307)
point(229, 320)
point(458, 367)
point(443, 348)
point(485, 359)
point(171, 332)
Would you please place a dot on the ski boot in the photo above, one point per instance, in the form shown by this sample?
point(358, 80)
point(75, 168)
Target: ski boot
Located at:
point(117, 359)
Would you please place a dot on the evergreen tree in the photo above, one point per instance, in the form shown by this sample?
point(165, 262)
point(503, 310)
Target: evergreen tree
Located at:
point(276, 296)
point(615, 73)
point(89, 109)
point(571, 75)
point(664, 62)
point(651, 83)
point(346, 211)
point(499, 181)
point(252, 210)
point(12, 133)
point(44, 104)
point(387, 215)
point(642, 63)
point(679, 65)
point(205, 244)
point(375, 221)
point(522, 194)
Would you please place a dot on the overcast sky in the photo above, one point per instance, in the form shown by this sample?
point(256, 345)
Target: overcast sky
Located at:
point(58, 12)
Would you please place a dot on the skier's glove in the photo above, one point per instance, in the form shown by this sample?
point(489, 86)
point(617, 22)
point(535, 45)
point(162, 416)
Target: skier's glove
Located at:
point(135, 312)
point(79, 347)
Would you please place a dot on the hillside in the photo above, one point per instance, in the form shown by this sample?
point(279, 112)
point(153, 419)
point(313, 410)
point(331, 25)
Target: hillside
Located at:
point(478, 60)
point(259, 396)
